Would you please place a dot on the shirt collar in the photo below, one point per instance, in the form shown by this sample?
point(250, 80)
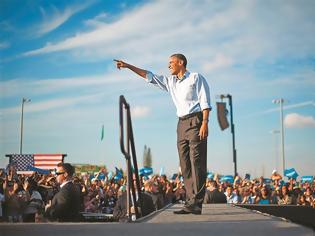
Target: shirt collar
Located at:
point(64, 183)
point(186, 75)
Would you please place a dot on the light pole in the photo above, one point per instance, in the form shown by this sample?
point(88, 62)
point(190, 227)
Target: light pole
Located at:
point(24, 100)
point(281, 101)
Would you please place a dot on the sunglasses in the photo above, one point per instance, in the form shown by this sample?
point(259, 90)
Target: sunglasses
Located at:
point(59, 173)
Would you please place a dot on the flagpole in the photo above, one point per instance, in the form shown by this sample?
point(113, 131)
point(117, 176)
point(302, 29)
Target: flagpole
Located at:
point(24, 100)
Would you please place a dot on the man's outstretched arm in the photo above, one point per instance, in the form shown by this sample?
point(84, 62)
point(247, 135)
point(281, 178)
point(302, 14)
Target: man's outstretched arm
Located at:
point(121, 64)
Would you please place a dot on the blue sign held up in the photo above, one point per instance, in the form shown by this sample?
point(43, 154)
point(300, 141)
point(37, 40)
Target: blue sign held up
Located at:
point(119, 174)
point(146, 171)
point(291, 173)
point(308, 178)
point(227, 178)
point(210, 175)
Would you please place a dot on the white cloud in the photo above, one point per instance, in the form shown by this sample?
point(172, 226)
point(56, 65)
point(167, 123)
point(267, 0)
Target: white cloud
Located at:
point(97, 21)
point(140, 111)
point(295, 120)
point(58, 17)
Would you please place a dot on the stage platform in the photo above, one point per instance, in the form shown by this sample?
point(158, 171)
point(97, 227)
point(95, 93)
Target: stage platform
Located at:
point(216, 219)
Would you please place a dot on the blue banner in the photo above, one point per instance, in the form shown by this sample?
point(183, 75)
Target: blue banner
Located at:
point(40, 171)
point(291, 173)
point(146, 171)
point(227, 178)
point(308, 178)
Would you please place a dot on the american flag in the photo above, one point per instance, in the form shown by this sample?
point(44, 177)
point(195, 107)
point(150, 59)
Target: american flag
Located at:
point(24, 162)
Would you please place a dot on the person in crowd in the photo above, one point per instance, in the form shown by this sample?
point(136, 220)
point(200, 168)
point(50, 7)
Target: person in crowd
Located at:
point(246, 193)
point(2, 199)
point(109, 201)
point(264, 197)
point(13, 204)
point(254, 193)
point(12, 173)
point(213, 195)
point(231, 197)
point(237, 191)
point(35, 204)
point(152, 188)
point(180, 191)
point(301, 201)
point(169, 196)
point(162, 180)
point(237, 182)
point(91, 202)
point(120, 210)
point(65, 205)
point(275, 176)
point(284, 197)
point(296, 192)
point(309, 195)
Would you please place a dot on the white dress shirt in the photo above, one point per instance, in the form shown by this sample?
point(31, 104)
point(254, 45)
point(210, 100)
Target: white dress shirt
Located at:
point(190, 93)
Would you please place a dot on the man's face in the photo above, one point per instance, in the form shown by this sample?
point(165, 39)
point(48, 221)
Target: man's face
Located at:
point(60, 175)
point(284, 190)
point(174, 65)
point(229, 191)
point(155, 188)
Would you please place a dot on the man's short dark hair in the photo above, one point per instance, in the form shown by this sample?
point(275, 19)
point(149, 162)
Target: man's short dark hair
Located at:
point(181, 57)
point(214, 184)
point(67, 168)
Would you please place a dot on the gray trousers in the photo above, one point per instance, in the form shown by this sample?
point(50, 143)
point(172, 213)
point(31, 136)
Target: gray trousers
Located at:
point(193, 158)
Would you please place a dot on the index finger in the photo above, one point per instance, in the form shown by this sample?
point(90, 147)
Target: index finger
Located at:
point(116, 60)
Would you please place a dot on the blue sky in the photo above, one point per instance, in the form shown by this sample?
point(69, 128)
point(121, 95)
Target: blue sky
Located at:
point(59, 54)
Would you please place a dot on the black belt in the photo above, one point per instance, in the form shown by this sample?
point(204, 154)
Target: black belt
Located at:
point(190, 115)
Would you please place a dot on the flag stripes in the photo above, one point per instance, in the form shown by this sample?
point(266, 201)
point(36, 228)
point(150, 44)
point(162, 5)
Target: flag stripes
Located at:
point(24, 162)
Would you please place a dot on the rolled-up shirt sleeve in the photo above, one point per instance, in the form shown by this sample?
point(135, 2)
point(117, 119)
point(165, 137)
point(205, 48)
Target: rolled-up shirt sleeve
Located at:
point(158, 80)
point(203, 93)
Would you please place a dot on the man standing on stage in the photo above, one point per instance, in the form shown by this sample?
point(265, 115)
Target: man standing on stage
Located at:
point(191, 96)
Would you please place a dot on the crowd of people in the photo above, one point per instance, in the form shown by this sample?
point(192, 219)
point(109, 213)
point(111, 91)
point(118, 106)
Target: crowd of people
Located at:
point(31, 198)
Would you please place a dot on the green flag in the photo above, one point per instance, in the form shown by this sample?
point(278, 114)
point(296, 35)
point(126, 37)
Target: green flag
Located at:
point(102, 134)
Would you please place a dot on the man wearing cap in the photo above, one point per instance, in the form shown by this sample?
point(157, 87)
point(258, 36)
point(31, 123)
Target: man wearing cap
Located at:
point(191, 96)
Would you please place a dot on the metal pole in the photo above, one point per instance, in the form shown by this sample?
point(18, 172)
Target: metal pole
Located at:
point(21, 128)
point(233, 133)
point(282, 134)
point(276, 147)
point(24, 100)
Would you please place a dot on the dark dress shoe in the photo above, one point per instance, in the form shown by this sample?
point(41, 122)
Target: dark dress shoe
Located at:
point(193, 209)
point(186, 211)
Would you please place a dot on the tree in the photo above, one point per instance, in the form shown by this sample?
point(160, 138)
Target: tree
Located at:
point(147, 157)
